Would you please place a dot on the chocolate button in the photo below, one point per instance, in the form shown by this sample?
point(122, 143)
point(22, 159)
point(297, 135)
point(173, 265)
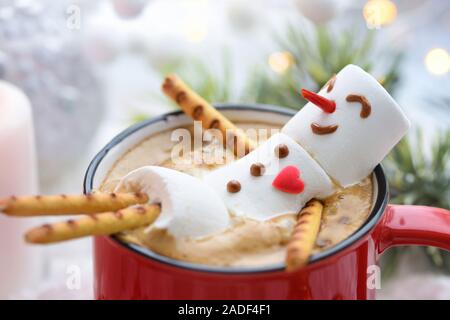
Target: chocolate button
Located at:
point(233, 186)
point(257, 169)
point(281, 151)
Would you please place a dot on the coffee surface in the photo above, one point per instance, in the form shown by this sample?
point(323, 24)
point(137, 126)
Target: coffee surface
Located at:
point(247, 242)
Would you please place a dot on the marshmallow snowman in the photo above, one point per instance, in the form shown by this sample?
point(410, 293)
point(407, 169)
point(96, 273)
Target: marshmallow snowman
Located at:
point(338, 137)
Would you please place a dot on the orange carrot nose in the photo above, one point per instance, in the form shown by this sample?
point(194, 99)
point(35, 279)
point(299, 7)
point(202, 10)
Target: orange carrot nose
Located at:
point(328, 106)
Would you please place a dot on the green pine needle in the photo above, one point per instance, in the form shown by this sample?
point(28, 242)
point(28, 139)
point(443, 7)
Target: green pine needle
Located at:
point(316, 58)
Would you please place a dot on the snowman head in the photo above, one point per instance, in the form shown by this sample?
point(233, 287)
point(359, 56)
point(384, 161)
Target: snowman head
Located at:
point(349, 126)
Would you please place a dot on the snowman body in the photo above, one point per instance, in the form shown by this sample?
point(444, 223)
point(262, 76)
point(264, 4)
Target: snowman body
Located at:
point(257, 197)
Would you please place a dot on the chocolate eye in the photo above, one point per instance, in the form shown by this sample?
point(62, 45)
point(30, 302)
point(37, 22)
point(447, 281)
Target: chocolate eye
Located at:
point(366, 108)
point(330, 83)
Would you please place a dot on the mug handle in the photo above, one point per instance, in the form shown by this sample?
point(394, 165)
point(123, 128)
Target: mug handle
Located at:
point(414, 225)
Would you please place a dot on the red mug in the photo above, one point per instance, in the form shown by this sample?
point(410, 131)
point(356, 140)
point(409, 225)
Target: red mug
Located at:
point(127, 271)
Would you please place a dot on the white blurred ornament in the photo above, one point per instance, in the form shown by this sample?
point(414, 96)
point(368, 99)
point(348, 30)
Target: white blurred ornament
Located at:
point(160, 51)
point(318, 11)
point(103, 41)
point(129, 9)
point(43, 57)
point(244, 15)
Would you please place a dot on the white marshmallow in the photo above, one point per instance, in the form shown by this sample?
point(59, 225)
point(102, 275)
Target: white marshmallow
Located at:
point(258, 199)
point(350, 153)
point(189, 207)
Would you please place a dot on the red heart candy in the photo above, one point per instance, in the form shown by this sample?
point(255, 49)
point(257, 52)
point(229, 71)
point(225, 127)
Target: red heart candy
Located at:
point(288, 180)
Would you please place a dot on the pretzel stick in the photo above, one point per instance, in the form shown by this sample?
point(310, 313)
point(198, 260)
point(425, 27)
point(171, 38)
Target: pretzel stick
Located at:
point(69, 204)
point(199, 109)
point(304, 236)
point(99, 224)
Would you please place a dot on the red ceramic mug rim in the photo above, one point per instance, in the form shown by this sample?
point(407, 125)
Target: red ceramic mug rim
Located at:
point(377, 209)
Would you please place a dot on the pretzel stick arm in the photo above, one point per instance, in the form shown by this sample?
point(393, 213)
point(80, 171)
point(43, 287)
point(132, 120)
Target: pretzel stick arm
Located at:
point(199, 109)
point(100, 224)
point(304, 236)
point(69, 204)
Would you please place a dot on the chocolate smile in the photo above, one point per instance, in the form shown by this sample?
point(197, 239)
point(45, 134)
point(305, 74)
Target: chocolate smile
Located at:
point(322, 130)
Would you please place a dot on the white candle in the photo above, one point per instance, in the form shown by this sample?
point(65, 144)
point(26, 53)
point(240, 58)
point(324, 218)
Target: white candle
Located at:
point(19, 263)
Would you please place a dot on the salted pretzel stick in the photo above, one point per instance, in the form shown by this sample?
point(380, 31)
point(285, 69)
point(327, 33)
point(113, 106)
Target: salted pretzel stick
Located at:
point(304, 236)
point(99, 224)
point(200, 110)
point(69, 204)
